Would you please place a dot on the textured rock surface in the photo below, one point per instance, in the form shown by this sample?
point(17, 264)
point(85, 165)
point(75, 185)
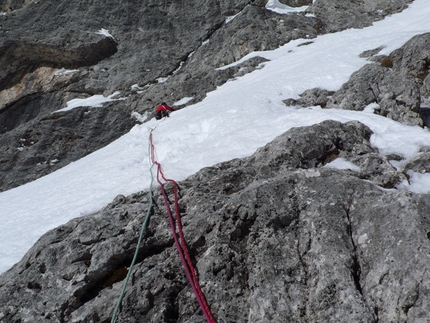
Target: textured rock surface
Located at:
point(398, 83)
point(169, 49)
point(151, 47)
point(275, 237)
point(398, 96)
point(311, 98)
point(339, 14)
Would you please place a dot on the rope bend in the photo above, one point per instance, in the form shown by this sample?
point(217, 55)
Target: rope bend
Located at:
point(180, 242)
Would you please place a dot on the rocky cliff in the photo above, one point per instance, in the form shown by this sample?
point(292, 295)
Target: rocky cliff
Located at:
point(275, 237)
point(54, 51)
point(278, 236)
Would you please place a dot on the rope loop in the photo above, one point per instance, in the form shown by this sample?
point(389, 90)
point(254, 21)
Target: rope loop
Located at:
point(178, 236)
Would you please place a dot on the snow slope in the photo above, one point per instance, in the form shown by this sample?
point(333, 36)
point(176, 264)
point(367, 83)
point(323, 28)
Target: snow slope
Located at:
point(231, 122)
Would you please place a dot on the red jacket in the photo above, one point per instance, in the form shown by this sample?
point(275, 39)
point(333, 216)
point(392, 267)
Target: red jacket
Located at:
point(163, 107)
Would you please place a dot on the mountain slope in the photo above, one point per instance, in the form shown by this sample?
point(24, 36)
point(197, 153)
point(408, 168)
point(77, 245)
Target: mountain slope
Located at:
point(293, 231)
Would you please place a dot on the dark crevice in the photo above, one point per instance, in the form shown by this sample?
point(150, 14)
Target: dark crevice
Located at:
point(302, 256)
point(411, 300)
point(355, 267)
point(115, 274)
point(20, 111)
point(92, 289)
point(376, 314)
point(406, 308)
point(356, 274)
point(302, 251)
point(172, 308)
point(34, 285)
point(243, 228)
point(85, 257)
point(331, 152)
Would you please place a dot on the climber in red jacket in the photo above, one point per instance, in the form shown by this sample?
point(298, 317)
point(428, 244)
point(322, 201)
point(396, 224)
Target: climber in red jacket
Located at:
point(162, 111)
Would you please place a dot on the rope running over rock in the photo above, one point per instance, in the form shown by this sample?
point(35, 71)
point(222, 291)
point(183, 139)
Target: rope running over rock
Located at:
point(180, 242)
point(142, 232)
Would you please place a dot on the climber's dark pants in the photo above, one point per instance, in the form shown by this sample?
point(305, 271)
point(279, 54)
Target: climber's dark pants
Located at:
point(161, 114)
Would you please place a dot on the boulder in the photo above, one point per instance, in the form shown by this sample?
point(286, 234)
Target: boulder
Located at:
point(311, 97)
point(398, 83)
point(398, 96)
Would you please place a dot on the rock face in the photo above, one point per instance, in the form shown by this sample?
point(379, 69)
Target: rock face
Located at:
point(277, 236)
point(149, 52)
point(398, 84)
point(340, 14)
point(167, 50)
point(398, 96)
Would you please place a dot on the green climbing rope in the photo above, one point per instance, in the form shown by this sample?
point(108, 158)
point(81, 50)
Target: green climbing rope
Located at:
point(142, 232)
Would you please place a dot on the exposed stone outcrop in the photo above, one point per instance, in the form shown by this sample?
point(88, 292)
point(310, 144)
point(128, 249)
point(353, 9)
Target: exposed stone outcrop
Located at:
point(413, 60)
point(311, 98)
point(339, 14)
point(274, 237)
point(51, 142)
point(398, 83)
point(170, 49)
point(11, 5)
point(278, 236)
point(22, 57)
point(397, 96)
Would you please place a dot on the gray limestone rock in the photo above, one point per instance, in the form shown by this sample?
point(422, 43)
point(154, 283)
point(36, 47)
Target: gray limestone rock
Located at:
point(296, 3)
point(159, 51)
point(311, 97)
point(49, 143)
point(277, 236)
point(412, 58)
point(398, 83)
point(274, 237)
point(419, 164)
point(397, 96)
point(169, 50)
point(339, 14)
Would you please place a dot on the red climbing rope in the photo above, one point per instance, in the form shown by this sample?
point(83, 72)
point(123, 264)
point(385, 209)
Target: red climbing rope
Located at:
point(180, 242)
